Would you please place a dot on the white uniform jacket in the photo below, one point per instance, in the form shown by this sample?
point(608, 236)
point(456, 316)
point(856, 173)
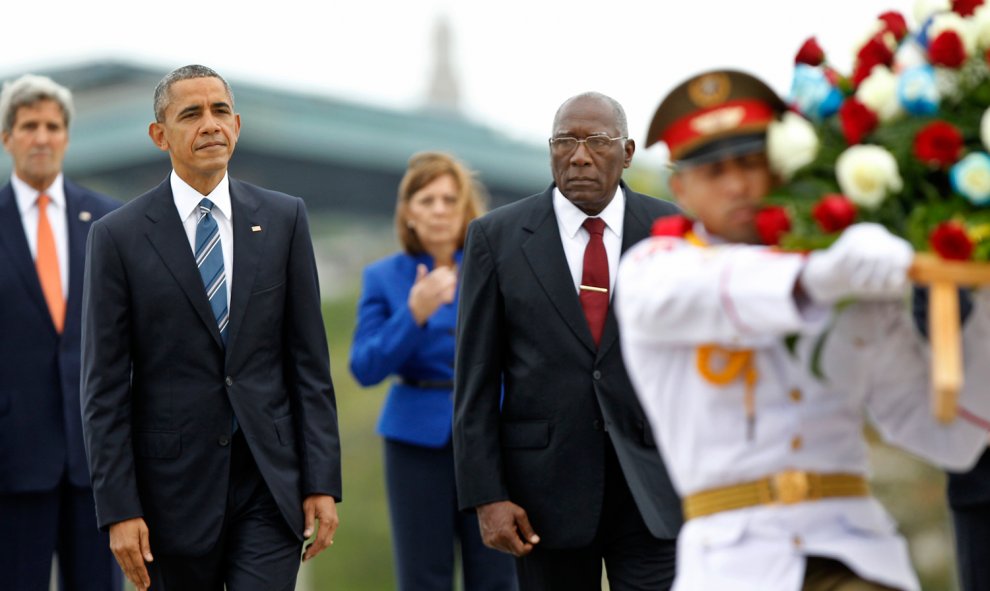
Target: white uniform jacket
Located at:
point(674, 297)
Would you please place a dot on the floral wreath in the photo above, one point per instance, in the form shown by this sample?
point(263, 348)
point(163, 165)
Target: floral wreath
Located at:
point(902, 141)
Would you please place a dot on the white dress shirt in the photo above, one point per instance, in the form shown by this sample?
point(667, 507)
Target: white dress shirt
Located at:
point(27, 203)
point(575, 238)
point(676, 297)
point(187, 203)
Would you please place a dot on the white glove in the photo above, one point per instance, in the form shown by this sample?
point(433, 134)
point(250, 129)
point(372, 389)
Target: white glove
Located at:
point(866, 262)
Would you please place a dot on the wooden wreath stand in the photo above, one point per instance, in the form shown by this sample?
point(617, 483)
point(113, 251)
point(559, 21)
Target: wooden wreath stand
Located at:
point(944, 277)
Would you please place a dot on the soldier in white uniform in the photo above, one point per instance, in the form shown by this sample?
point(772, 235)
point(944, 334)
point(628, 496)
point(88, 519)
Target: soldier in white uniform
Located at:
point(763, 437)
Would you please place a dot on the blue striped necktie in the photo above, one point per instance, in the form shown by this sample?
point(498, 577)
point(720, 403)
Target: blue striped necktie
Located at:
point(209, 259)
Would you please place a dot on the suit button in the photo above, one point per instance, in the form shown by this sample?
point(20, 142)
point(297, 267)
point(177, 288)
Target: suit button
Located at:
point(596, 374)
point(223, 441)
point(597, 425)
point(229, 381)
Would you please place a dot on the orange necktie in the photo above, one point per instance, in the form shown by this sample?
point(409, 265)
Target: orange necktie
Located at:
point(47, 265)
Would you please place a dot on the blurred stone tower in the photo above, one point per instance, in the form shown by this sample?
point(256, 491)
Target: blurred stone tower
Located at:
point(443, 92)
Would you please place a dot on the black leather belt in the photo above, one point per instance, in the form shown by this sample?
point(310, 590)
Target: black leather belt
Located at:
point(428, 384)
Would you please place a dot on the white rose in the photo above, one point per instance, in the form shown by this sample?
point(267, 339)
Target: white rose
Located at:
point(925, 8)
point(867, 174)
point(909, 55)
point(950, 21)
point(791, 144)
point(879, 92)
point(985, 129)
point(980, 22)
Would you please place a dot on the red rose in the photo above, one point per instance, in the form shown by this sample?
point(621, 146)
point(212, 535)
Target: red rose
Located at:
point(672, 225)
point(834, 213)
point(966, 7)
point(772, 223)
point(834, 78)
point(950, 241)
point(861, 72)
point(857, 120)
point(938, 144)
point(874, 52)
point(810, 53)
point(947, 50)
point(894, 22)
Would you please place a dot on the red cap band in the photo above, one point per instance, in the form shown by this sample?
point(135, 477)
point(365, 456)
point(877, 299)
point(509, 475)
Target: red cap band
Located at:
point(745, 115)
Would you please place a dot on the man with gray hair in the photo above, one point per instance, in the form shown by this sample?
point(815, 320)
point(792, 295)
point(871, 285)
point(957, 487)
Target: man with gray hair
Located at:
point(208, 410)
point(551, 447)
point(46, 503)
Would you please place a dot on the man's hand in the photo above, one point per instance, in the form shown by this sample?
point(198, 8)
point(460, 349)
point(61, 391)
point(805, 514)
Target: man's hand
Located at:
point(130, 546)
point(323, 508)
point(505, 527)
point(866, 262)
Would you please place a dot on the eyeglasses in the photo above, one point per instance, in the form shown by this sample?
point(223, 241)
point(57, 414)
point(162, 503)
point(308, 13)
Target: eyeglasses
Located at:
point(596, 143)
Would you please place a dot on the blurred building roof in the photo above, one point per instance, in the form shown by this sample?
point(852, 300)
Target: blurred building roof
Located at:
point(334, 153)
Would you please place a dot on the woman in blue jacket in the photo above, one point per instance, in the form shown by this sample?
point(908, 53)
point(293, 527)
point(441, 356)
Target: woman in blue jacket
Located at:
point(405, 329)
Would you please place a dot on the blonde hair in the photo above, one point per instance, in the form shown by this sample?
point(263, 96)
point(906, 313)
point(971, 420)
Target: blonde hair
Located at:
point(423, 169)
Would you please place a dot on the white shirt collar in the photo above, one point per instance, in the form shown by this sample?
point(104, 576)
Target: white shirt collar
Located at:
point(27, 196)
point(570, 217)
point(187, 199)
point(705, 236)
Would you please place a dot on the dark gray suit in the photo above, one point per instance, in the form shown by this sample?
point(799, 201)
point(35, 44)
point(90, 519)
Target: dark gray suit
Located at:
point(160, 389)
point(544, 446)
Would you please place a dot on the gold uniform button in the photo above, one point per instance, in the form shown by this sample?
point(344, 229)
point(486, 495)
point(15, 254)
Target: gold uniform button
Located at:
point(859, 342)
point(797, 541)
point(796, 395)
point(796, 443)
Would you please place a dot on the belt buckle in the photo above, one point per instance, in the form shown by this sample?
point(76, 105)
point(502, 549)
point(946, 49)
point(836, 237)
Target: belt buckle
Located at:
point(790, 486)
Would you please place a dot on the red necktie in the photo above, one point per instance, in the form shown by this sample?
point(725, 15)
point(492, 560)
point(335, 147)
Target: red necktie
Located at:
point(594, 279)
point(46, 263)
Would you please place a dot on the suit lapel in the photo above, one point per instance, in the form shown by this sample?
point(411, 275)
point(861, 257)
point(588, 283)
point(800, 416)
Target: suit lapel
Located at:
point(14, 243)
point(78, 221)
point(635, 227)
point(168, 237)
point(545, 254)
point(248, 248)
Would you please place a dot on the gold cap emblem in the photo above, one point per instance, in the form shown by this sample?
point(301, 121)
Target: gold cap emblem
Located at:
point(710, 89)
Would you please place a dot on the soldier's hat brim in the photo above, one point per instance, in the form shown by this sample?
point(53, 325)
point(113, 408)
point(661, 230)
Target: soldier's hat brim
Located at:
point(715, 115)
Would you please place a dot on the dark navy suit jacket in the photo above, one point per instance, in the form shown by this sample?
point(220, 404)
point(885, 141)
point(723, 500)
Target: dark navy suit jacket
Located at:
point(40, 430)
point(387, 341)
point(159, 387)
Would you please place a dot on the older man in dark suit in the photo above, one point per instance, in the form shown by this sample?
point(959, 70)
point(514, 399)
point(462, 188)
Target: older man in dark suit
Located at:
point(561, 468)
point(46, 503)
point(208, 408)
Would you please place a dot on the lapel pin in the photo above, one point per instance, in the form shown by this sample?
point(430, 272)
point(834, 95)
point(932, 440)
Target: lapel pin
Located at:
point(255, 228)
point(85, 216)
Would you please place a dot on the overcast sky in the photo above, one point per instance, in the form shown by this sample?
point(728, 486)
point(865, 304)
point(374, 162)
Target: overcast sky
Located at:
point(516, 60)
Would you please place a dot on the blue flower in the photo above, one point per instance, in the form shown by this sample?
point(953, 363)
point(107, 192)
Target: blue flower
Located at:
point(918, 91)
point(812, 93)
point(922, 34)
point(970, 178)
